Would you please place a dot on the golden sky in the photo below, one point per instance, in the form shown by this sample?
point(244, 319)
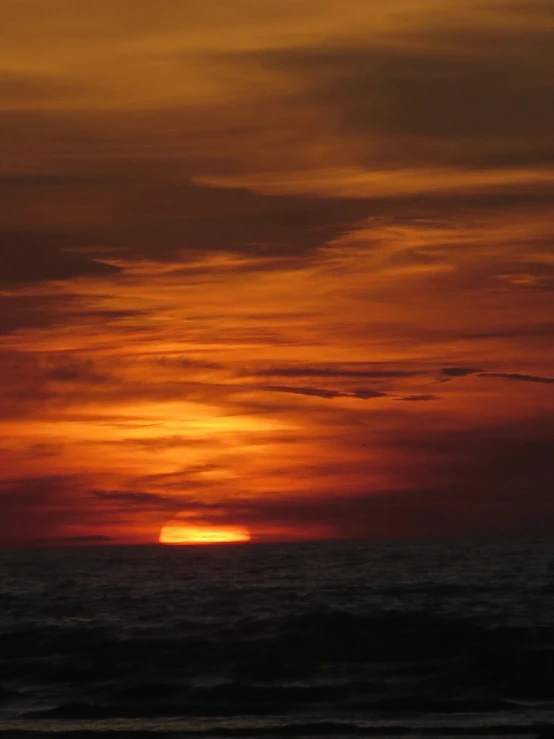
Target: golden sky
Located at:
point(283, 265)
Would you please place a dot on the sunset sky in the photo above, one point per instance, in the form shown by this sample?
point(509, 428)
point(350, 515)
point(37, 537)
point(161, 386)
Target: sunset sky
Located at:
point(285, 265)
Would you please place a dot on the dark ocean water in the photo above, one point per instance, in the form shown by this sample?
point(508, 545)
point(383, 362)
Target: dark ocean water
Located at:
point(311, 639)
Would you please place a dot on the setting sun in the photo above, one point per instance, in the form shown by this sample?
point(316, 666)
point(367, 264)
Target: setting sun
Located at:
point(176, 532)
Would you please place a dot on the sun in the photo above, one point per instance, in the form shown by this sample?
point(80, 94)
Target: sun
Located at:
point(180, 532)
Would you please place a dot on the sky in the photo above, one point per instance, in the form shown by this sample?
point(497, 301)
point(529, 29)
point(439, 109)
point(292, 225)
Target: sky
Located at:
point(281, 265)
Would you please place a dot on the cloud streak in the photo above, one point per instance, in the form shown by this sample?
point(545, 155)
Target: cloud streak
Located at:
point(518, 377)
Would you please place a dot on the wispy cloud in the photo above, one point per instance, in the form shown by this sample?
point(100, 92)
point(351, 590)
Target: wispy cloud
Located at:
point(518, 377)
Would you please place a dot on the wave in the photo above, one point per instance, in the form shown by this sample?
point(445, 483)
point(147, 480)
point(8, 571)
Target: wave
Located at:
point(241, 702)
point(323, 728)
point(385, 660)
point(378, 662)
point(325, 635)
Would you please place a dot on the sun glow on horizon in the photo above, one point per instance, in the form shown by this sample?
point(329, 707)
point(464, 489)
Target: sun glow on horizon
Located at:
point(176, 532)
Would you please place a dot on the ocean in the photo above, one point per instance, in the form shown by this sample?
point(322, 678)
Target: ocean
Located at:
point(313, 639)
